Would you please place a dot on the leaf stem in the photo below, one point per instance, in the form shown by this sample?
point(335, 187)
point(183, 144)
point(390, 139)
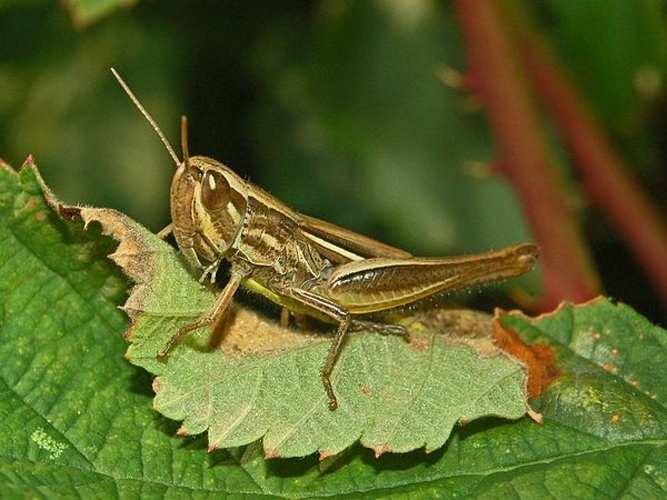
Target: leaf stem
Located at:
point(495, 74)
point(604, 174)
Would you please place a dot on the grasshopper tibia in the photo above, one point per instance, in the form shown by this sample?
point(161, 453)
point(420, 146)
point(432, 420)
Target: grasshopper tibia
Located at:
point(350, 325)
point(217, 311)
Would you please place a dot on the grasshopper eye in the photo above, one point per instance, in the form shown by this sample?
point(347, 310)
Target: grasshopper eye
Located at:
point(214, 190)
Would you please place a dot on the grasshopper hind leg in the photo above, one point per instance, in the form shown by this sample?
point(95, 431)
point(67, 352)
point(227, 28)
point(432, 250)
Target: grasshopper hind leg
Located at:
point(381, 328)
point(346, 323)
point(352, 325)
point(327, 368)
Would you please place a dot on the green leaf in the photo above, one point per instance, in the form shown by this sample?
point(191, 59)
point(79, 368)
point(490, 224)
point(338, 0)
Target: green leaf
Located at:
point(76, 418)
point(281, 400)
point(614, 381)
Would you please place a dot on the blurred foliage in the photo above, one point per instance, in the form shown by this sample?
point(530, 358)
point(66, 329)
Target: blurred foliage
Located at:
point(333, 106)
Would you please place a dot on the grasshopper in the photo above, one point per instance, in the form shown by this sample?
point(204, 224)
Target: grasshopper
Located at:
point(303, 264)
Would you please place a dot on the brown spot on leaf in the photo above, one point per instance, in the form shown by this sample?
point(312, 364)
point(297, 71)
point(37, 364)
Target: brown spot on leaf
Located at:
point(536, 416)
point(539, 358)
point(610, 367)
point(454, 327)
point(366, 391)
point(454, 324)
point(243, 332)
point(132, 314)
point(271, 453)
point(419, 343)
point(380, 450)
point(68, 213)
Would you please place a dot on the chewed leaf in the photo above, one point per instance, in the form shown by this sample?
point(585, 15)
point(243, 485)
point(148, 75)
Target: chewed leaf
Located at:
point(254, 380)
point(392, 398)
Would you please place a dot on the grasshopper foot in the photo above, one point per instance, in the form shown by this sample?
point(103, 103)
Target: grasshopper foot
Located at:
point(381, 328)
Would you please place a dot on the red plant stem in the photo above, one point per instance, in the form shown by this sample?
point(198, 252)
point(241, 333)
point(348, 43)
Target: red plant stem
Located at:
point(524, 157)
point(605, 177)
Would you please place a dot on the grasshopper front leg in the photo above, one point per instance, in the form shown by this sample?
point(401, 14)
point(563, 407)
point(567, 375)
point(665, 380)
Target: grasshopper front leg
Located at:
point(217, 310)
point(164, 233)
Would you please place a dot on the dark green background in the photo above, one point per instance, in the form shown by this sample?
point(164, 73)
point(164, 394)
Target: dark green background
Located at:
point(333, 106)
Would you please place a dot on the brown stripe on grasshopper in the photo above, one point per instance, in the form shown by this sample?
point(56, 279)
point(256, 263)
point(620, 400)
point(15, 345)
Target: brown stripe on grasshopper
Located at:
point(302, 263)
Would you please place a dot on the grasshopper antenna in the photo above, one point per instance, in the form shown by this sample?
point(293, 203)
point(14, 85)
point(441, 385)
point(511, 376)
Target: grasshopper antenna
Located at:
point(184, 139)
point(153, 123)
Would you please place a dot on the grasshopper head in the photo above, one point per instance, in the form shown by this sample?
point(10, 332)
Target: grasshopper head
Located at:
point(208, 205)
point(208, 200)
